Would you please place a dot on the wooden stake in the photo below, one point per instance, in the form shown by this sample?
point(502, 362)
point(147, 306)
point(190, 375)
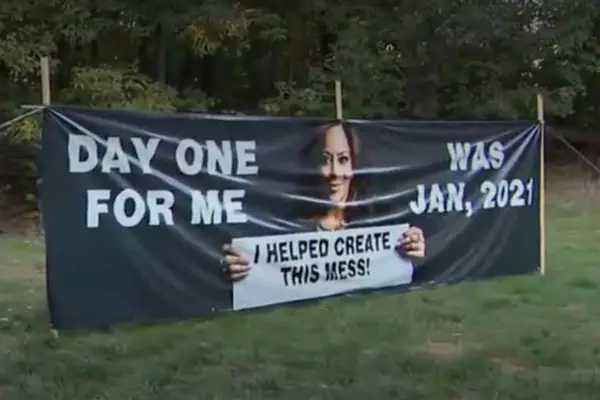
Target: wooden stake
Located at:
point(542, 185)
point(45, 75)
point(540, 108)
point(45, 78)
point(338, 100)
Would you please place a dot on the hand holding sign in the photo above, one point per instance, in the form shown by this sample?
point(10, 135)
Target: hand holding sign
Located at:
point(412, 244)
point(236, 265)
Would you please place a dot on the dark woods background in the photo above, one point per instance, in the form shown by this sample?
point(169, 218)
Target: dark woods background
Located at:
point(409, 59)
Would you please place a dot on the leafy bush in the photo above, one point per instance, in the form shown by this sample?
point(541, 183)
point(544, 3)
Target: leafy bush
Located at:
point(123, 88)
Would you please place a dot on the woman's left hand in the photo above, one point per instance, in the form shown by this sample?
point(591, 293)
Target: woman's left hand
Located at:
point(413, 242)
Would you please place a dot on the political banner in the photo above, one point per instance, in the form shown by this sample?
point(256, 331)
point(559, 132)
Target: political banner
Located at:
point(157, 216)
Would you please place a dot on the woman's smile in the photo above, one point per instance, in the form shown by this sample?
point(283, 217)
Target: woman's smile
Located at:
point(335, 185)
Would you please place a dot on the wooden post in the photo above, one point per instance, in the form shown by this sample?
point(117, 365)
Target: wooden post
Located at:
point(542, 184)
point(338, 100)
point(45, 75)
point(45, 80)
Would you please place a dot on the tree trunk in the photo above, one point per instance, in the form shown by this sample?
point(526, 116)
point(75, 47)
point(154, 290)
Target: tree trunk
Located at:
point(161, 56)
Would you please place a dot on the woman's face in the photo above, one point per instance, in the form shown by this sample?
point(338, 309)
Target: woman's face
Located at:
point(336, 167)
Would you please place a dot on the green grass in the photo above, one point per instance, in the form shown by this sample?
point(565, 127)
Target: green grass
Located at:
point(518, 338)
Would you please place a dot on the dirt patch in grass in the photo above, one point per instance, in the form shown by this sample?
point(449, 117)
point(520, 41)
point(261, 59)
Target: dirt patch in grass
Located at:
point(510, 366)
point(442, 350)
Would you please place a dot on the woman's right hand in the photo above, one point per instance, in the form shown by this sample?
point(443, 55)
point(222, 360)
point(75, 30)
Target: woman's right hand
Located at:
point(236, 266)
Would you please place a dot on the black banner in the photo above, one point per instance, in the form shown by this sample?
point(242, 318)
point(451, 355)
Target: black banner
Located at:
point(154, 216)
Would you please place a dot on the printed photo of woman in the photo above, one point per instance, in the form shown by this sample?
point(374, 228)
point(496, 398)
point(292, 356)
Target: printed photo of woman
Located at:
point(335, 185)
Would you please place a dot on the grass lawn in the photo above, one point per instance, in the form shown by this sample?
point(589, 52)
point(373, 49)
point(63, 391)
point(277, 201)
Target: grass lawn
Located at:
point(520, 338)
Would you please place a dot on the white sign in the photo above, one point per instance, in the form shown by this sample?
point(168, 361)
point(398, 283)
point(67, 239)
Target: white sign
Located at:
point(303, 266)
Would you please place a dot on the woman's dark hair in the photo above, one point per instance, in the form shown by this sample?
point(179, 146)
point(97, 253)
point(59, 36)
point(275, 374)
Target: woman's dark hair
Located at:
point(311, 184)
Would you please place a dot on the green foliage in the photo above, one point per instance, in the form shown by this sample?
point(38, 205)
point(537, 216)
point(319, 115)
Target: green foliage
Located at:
point(124, 88)
point(298, 101)
point(195, 100)
point(19, 145)
point(426, 59)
